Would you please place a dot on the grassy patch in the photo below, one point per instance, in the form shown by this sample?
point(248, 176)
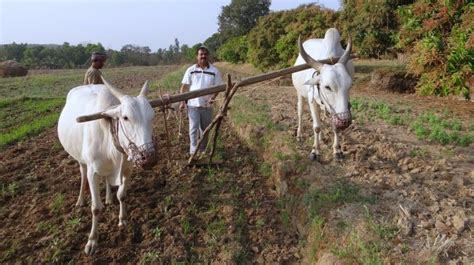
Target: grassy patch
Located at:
point(186, 227)
point(150, 257)
point(216, 230)
point(171, 81)
point(57, 203)
point(336, 194)
point(9, 190)
point(440, 127)
point(24, 117)
point(367, 246)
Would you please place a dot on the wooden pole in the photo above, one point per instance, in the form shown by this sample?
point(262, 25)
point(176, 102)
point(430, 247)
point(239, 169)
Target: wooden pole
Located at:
point(216, 89)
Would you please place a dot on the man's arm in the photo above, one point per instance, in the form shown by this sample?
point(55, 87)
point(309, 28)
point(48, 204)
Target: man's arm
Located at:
point(184, 88)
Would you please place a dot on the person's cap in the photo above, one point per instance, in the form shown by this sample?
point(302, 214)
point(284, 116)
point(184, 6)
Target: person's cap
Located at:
point(98, 56)
point(203, 47)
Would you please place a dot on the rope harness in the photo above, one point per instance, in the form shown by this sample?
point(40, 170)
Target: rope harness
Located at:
point(342, 119)
point(140, 155)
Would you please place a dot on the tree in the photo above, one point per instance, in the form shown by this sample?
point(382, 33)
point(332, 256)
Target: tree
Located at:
point(372, 23)
point(213, 42)
point(272, 42)
point(240, 16)
point(13, 51)
point(234, 50)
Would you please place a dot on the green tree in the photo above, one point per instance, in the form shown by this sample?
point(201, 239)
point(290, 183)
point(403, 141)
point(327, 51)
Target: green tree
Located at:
point(240, 16)
point(213, 42)
point(116, 58)
point(372, 23)
point(33, 56)
point(272, 42)
point(234, 50)
point(13, 51)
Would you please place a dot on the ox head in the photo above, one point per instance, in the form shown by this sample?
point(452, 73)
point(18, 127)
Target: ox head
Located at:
point(134, 118)
point(333, 83)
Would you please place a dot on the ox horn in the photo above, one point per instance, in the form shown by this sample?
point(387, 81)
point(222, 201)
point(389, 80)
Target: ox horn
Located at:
point(145, 90)
point(115, 91)
point(347, 53)
point(307, 58)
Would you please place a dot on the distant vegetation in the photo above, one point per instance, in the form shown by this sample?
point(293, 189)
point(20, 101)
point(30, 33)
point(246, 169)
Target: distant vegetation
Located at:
point(68, 56)
point(436, 37)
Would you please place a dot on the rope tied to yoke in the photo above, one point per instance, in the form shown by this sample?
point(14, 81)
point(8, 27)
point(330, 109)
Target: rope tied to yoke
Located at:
point(166, 105)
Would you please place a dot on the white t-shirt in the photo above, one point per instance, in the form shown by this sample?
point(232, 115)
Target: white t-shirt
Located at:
point(198, 78)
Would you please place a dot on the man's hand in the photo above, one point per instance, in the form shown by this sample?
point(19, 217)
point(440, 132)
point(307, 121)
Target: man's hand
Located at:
point(182, 105)
point(212, 100)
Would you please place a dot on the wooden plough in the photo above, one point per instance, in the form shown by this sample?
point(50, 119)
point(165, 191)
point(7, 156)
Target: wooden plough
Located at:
point(229, 88)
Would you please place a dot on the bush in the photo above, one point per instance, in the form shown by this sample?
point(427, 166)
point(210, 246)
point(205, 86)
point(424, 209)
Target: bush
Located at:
point(439, 36)
point(272, 42)
point(234, 50)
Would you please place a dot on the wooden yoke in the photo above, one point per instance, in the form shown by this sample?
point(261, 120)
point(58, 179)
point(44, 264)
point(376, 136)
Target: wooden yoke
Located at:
point(219, 88)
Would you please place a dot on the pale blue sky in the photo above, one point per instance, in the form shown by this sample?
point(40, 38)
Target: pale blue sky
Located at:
point(115, 23)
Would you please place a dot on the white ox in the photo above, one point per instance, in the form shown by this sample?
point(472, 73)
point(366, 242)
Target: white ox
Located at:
point(325, 86)
point(92, 143)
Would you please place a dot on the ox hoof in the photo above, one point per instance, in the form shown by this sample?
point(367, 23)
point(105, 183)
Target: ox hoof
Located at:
point(80, 203)
point(339, 156)
point(299, 139)
point(314, 157)
point(109, 201)
point(122, 223)
point(91, 247)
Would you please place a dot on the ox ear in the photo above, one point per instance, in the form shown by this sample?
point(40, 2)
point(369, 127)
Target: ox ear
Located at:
point(145, 90)
point(313, 81)
point(115, 91)
point(112, 113)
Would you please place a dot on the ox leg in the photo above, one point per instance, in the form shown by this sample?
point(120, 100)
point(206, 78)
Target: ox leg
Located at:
point(122, 192)
point(314, 155)
point(83, 169)
point(336, 147)
point(108, 193)
point(300, 116)
point(96, 208)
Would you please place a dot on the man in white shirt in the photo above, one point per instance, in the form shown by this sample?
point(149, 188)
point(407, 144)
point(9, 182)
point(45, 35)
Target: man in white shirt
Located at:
point(201, 75)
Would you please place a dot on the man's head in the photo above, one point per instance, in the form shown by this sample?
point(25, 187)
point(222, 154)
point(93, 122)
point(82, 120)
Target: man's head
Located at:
point(202, 56)
point(98, 60)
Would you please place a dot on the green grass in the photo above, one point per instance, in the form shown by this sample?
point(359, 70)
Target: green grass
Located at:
point(216, 230)
point(171, 81)
point(57, 203)
point(9, 190)
point(24, 117)
point(150, 257)
point(157, 231)
point(367, 246)
point(439, 127)
point(31, 104)
point(186, 227)
point(341, 191)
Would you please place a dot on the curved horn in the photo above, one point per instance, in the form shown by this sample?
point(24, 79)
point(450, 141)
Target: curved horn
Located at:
point(145, 90)
point(347, 53)
point(307, 58)
point(115, 91)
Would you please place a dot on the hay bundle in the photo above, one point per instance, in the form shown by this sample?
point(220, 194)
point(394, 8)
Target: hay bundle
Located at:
point(12, 68)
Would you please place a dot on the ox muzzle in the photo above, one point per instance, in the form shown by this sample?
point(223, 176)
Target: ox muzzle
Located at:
point(143, 156)
point(342, 120)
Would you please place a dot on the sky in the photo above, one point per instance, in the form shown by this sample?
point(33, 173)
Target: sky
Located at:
point(115, 23)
